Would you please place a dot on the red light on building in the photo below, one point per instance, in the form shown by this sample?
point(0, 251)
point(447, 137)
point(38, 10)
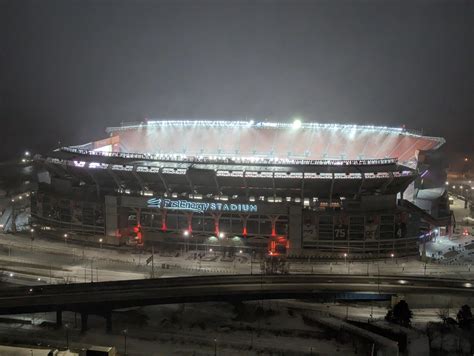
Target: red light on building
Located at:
point(138, 230)
point(244, 232)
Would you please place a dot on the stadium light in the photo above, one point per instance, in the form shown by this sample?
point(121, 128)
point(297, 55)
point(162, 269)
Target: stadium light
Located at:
point(296, 124)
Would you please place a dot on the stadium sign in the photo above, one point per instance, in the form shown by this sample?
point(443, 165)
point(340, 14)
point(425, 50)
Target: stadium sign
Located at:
point(200, 207)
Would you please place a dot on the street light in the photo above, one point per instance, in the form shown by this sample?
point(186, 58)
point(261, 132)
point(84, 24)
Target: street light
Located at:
point(124, 332)
point(100, 240)
point(215, 347)
point(221, 235)
point(186, 234)
point(66, 326)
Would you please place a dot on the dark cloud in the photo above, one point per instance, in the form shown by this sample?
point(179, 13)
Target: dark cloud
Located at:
point(70, 68)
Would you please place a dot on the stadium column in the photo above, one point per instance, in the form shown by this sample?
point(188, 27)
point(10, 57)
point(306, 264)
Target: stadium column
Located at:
point(111, 215)
point(295, 235)
point(164, 227)
point(217, 217)
point(244, 218)
point(273, 220)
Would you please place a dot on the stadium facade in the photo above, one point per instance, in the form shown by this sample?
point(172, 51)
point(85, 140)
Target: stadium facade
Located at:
point(319, 188)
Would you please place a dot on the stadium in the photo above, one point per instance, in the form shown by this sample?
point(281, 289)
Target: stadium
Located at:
point(299, 189)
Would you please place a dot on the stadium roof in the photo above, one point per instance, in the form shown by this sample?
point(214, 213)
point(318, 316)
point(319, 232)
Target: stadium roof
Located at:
point(275, 142)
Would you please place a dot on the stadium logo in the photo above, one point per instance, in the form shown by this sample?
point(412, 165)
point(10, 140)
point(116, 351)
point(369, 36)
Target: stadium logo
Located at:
point(198, 207)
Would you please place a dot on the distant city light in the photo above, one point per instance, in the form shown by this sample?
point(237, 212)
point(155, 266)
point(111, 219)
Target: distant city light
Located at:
point(27, 153)
point(447, 183)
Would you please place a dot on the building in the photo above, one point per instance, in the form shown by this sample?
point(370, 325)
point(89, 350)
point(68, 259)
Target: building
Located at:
point(322, 188)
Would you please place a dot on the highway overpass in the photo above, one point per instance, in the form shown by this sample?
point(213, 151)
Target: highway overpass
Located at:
point(101, 298)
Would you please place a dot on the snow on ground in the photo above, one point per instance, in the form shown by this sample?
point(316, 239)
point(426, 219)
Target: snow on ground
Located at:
point(258, 328)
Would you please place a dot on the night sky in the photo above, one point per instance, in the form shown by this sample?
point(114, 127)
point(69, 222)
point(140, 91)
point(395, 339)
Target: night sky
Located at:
point(70, 68)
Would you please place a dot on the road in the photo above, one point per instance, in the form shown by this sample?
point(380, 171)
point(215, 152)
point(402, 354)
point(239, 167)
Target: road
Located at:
point(23, 261)
point(104, 296)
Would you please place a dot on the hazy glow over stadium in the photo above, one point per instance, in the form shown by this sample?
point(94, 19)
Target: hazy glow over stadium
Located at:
point(253, 141)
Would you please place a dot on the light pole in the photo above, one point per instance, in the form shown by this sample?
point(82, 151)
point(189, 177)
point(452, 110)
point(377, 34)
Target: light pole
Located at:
point(124, 332)
point(32, 237)
point(65, 239)
point(345, 261)
point(100, 240)
point(66, 326)
point(186, 234)
point(215, 347)
point(252, 255)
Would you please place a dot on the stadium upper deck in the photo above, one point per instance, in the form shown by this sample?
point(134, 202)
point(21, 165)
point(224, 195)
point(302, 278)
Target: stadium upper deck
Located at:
point(258, 141)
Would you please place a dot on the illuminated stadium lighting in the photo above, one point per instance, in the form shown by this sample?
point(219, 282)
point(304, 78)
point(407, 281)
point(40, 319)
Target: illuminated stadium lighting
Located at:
point(297, 124)
point(227, 123)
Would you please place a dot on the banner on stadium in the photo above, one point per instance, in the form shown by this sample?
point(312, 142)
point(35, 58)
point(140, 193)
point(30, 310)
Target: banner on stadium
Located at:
point(200, 207)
